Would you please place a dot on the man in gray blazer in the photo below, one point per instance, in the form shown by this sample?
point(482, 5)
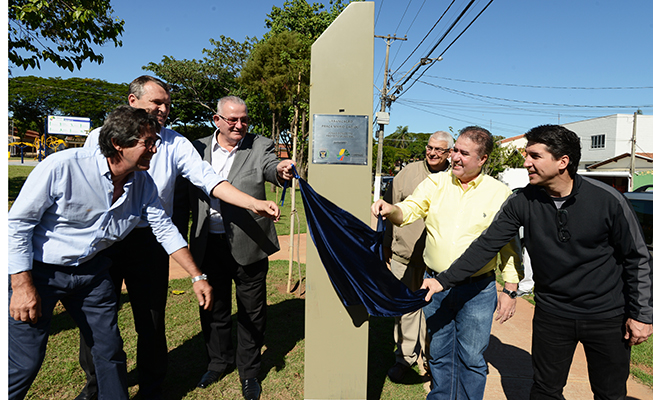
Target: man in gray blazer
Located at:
point(231, 244)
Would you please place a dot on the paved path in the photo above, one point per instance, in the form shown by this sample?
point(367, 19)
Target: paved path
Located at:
point(508, 355)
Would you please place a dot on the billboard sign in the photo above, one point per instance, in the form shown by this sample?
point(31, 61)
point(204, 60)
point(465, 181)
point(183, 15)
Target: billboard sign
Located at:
point(77, 126)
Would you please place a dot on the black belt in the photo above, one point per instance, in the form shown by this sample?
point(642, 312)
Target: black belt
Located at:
point(219, 236)
point(472, 279)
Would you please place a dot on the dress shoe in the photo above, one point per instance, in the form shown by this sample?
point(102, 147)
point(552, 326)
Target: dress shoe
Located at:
point(251, 389)
point(209, 377)
point(86, 396)
point(397, 372)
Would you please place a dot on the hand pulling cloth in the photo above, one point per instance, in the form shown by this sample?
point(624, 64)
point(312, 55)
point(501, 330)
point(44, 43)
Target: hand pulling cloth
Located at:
point(352, 255)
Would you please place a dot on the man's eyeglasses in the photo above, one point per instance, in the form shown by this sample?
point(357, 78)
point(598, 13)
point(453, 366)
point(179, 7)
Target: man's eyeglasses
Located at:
point(234, 121)
point(437, 150)
point(150, 143)
point(563, 233)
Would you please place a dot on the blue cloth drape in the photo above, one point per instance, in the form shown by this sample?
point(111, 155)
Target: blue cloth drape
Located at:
point(351, 253)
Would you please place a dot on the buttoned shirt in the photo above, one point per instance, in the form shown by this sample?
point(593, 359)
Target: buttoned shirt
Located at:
point(407, 242)
point(174, 156)
point(64, 213)
point(221, 161)
point(454, 217)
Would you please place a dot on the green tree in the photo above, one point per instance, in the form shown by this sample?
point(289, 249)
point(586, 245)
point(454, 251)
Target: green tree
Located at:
point(399, 138)
point(60, 31)
point(32, 99)
point(272, 72)
point(502, 158)
point(413, 143)
point(309, 20)
point(297, 24)
point(197, 85)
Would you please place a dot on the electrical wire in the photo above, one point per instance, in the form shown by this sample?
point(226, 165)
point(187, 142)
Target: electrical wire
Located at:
point(533, 102)
point(448, 47)
point(542, 87)
point(427, 34)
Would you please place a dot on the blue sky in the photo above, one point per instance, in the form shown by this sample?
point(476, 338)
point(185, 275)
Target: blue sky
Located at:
point(491, 76)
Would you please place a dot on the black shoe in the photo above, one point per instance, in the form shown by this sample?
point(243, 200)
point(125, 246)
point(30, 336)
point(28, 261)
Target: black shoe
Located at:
point(397, 372)
point(251, 389)
point(86, 396)
point(210, 377)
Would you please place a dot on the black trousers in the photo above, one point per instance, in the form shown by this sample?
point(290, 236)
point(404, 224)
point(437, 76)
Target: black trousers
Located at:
point(554, 342)
point(142, 263)
point(251, 297)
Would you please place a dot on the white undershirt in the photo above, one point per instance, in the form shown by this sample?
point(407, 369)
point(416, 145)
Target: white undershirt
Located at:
point(221, 161)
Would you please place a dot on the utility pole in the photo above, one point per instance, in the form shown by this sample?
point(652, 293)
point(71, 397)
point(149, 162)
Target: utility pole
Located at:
point(382, 117)
point(631, 184)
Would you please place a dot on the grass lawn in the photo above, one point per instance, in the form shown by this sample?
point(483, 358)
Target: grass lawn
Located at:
point(283, 357)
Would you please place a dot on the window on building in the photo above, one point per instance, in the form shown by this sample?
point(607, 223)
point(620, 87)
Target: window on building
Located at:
point(598, 142)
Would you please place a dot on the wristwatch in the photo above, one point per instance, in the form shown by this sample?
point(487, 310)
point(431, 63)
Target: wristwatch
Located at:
point(202, 277)
point(510, 293)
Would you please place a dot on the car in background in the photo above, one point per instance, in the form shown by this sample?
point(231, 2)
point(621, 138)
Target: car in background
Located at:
point(642, 203)
point(385, 181)
point(645, 188)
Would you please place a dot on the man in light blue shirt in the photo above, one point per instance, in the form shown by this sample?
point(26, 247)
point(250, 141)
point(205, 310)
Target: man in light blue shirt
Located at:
point(72, 207)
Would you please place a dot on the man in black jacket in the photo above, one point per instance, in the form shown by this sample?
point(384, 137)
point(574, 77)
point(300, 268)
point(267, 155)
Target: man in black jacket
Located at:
point(591, 266)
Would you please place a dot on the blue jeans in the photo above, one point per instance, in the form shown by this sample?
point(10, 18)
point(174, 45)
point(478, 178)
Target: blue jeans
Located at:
point(554, 343)
point(87, 294)
point(459, 321)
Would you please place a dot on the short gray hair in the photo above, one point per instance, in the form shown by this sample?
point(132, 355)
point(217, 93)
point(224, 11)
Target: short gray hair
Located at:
point(442, 135)
point(230, 99)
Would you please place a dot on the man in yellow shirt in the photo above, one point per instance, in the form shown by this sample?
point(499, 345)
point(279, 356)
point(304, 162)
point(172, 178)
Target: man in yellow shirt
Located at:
point(457, 207)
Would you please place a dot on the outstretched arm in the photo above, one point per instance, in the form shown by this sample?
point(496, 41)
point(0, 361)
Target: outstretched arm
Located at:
point(226, 192)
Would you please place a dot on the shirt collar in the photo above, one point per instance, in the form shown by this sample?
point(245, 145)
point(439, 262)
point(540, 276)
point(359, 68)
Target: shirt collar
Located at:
point(470, 185)
point(215, 145)
point(446, 169)
point(103, 164)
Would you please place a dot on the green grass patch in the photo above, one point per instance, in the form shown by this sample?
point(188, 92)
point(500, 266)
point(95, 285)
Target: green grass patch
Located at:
point(17, 175)
point(282, 370)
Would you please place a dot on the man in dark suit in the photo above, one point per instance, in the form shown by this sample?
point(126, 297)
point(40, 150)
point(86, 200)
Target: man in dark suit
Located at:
point(230, 244)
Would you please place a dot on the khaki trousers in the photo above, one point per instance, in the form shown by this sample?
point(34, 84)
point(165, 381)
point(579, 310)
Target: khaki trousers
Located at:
point(410, 329)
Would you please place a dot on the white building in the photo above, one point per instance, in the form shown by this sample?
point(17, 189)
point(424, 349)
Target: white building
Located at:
point(607, 137)
point(606, 146)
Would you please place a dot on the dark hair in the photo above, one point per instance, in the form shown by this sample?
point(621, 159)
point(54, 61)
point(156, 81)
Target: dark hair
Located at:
point(123, 127)
point(559, 141)
point(136, 86)
point(481, 136)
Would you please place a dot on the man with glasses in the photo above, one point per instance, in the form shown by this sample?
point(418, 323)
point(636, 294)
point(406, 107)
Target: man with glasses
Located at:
point(139, 260)
point(456, 207)
point(591, 267)
point(403, 248)
point(233, 245)
point(72, 208)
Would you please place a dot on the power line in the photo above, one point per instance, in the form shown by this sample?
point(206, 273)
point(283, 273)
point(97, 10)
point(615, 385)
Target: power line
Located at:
point(379, 13)
point(442, 39)
point(533, 102)
point(542, 86)
point(427, 34)
point(403, 15)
